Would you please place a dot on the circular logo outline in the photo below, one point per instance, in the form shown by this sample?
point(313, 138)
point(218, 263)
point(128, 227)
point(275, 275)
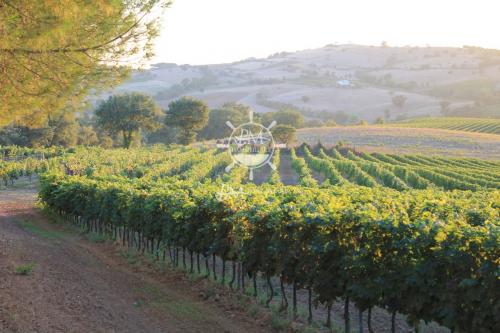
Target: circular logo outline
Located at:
point(272, 145)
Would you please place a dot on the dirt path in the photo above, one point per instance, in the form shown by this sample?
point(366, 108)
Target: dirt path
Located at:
point(80, 286)
point(287, 174)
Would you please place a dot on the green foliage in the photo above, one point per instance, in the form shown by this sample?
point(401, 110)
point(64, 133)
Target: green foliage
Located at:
point(286, 116)
point(384, 176)
point(189, 115)
point(39, 231)
point(428, 254)
point(188, 85)
point(53, 53)
point(481, 125)
point(300, 166)
point(482, 91)
point(128, 114)
point(348, 169)
point(16, 168)
point(216, 127)
point(283, 134)
point(87, 136)
point(324, 166)
point(274, 175)
point(280, 323)
point(289, 117)
point(399, 100)
point(95, 237)
point(25, 269)
point(60, 131)
point(65, 129)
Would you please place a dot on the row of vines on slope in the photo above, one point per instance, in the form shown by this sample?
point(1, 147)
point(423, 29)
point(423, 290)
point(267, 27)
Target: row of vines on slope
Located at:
point(431, 255)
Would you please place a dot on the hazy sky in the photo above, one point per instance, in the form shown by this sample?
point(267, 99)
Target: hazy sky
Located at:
point(217, 31)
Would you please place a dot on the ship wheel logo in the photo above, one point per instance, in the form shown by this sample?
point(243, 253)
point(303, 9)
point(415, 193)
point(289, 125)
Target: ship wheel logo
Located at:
point(251, 145)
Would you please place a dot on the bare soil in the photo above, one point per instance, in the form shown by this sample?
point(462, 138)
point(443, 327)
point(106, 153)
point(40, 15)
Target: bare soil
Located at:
point(288, 175)
point(77, 285)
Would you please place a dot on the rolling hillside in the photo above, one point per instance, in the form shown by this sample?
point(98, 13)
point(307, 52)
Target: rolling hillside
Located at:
point(360, 81)
point(406, 140)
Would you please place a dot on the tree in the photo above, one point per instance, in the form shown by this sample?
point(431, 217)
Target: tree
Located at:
point(267, 118)
point(399, 100)
point(445, 107)
point(379, 121)
point(283, 133)
point(189, 115)
point(61, 130)
point(289, 117)
point(166, 135)
point(330, 123)
point(87, 136)
point(128, 114)
point(65, 129)
point(313, 123)
point(216, 127)
point(52, 52)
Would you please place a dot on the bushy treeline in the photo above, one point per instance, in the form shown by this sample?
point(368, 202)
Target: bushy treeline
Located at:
point(133, 119)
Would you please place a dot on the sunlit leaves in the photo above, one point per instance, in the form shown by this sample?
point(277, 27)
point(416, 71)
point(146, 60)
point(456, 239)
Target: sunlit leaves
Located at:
point(52, 53)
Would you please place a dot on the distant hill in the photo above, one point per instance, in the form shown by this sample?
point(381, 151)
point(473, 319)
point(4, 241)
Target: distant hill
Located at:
point(362, 82)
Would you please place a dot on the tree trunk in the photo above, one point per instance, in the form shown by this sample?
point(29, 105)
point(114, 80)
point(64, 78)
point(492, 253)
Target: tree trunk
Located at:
point(213, 267)
point(207, 267)
point(309, 305)
point(284, 299)
point(243, 277)
point(191, 262)
point(360, 316)
point(223, 271)
point(417, 326)
point(271, 291)
point(184, 258)
point(329, 315)
point(127, 139)
point(294, 299)
point(234, 275)
point(238, 284)
point(370, 329)
point(255, 284)
point(347, 318)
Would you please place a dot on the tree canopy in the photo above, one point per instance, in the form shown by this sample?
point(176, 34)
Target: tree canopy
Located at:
point(53, 53)
point(128, 114)
point(189, 115)
point(284, 117)
point(216, 127)
point(283, 134)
